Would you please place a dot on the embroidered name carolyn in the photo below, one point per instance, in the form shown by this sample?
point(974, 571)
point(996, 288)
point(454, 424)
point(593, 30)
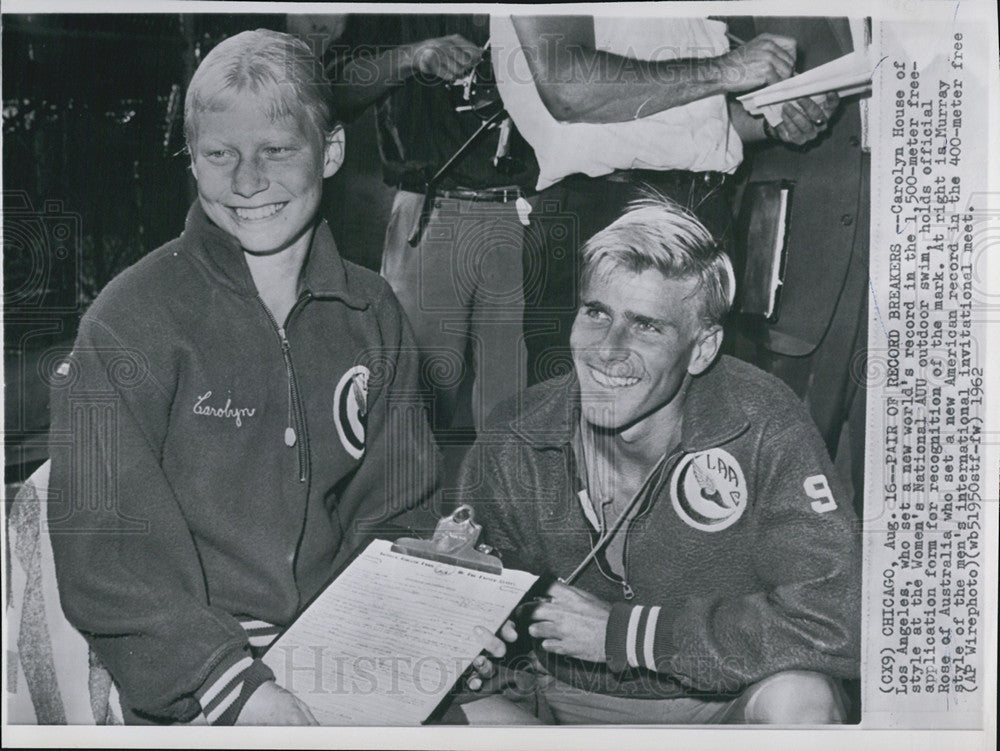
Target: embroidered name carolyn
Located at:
point(238, 413)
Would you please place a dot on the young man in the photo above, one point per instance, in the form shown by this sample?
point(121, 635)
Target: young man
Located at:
point(710, 551)
point(240, 409)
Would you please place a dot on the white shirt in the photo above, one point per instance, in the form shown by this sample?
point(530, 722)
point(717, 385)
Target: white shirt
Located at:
point(697, 137)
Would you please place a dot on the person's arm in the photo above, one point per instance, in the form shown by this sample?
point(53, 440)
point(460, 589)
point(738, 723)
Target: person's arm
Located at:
point(579, 83)
point(749, 128)
point(366, 74)
point(127, 567)
point(318, 30)
point(367, 78)
point(806, 554)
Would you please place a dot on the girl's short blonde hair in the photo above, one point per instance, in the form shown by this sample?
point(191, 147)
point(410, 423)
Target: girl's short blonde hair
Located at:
point(278, 68)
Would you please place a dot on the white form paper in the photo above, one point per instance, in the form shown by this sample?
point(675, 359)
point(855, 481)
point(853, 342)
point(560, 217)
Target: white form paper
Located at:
point(849, 74)
point(385, 642)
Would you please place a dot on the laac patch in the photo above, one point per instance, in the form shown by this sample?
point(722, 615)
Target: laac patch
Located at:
point(708, 490)
point(350, 408)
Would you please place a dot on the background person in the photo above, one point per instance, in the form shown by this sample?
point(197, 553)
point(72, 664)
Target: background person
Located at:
point(818, 342)
point(460, 285)
point(614, 104)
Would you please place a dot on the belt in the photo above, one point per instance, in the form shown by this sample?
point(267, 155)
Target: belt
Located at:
point(674, 176)
point(493, 195)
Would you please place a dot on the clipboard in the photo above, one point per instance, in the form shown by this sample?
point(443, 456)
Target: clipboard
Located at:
point(386, 640)
point(454, 541)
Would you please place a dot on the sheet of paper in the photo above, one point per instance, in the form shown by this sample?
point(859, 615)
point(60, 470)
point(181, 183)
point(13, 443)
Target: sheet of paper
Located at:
point(849, 70)
point(846, 75)
point(385, 642)
point(774, 115)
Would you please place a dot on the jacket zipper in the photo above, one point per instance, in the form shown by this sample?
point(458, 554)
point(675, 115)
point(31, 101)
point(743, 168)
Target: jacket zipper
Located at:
point(295, 432)
point(626, 588)
point(654, 491)
point(627, 591)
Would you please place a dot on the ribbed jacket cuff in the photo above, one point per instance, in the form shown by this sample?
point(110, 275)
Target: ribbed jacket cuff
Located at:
point(638, 636)
point(614, 637)
point(228, 687)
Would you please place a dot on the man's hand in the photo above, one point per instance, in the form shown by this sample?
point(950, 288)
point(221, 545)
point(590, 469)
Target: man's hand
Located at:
point(764, 60)
point(483, 666)
point(572, 624)
point(271, 704)
point(804, 119)
point(446, 58)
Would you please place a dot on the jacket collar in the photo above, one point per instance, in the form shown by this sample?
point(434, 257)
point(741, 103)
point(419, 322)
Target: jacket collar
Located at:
point(712, 413)
point(324, 275)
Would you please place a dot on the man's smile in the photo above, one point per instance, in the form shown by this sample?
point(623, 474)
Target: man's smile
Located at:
point(609, 380)
point(258, 213)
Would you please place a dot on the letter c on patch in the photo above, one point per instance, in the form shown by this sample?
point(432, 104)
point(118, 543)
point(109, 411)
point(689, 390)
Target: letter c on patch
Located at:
point(350, 409)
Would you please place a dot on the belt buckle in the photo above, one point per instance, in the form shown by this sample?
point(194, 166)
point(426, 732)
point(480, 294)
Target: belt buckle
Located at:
point(499, 195)
point(715, 179)
point(493, 195)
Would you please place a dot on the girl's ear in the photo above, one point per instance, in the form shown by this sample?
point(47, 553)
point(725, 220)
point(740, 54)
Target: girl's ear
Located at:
point(333, 154)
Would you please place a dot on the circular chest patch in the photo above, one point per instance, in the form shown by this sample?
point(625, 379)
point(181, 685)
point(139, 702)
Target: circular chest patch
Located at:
point(708, 490)
point(350, 408)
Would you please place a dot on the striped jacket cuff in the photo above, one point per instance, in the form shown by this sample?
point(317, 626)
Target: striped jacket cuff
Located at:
point(638, 636)
point(228, 687)
point(260, 634)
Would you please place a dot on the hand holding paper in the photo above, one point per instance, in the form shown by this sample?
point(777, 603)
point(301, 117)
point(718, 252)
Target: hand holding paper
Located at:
point(849, 74)
point(390, 636)
point(804, 119)
point(482, 667)
point(765, 59)
point(271, 704)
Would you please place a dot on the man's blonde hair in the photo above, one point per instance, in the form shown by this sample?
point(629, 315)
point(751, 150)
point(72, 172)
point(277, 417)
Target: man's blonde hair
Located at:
point(657, 233)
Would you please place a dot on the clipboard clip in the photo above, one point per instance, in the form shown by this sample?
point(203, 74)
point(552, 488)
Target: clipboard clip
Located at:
point(454, 542)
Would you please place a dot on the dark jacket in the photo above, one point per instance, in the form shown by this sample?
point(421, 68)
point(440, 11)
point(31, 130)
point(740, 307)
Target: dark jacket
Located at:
point(828, 221)
point(742, 562)
point(207, 477)
point(417, 125)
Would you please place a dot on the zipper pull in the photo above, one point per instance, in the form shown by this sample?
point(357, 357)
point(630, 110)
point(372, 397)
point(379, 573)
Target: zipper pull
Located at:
point(290, 437)
point(627, 591)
